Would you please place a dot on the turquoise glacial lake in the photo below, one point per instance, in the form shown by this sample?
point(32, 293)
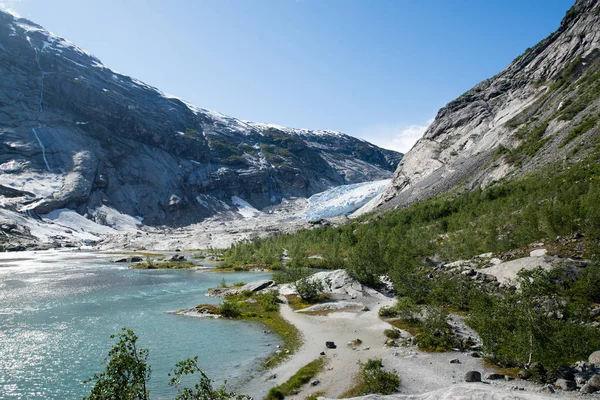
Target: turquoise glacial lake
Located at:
point(56, 318)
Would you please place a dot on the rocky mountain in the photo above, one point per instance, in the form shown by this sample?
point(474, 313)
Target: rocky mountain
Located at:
point(76, 134)
point(541, 109)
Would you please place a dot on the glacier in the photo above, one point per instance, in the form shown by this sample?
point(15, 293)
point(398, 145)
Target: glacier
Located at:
point(342, 200)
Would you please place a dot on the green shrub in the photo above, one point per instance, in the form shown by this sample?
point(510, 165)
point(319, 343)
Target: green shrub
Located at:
point(392, 333)
point(372, 379)
point(436, 334)
point(388, 312)
point(229, 309)
point(309, 289)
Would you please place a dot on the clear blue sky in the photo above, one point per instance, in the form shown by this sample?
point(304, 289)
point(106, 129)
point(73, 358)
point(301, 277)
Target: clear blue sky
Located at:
point(377, 69)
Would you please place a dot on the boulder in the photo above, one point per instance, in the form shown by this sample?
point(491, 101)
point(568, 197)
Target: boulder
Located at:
point(330, 345)
point(249, 287)
point(595, 358)
point(595, 381)
point(587, 388)
point(473, 376)
point(177, 257)
point(565, 384)
point(494, 377)
point(336, 282)
point(538, 253)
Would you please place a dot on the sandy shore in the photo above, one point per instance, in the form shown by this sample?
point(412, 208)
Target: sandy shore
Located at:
point(424, 375)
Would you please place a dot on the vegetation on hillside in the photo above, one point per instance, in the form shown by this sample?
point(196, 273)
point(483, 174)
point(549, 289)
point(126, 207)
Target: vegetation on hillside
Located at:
point(546, 322)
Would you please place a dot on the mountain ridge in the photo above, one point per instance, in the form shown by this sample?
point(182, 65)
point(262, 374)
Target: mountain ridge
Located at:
point(511, 123)
point(76, 134)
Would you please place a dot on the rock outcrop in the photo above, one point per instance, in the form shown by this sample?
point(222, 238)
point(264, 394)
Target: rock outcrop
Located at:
point(75, 134)
point(539, 110)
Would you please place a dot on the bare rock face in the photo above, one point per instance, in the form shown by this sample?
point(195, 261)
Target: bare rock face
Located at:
point(537, 100)
point(78, 135)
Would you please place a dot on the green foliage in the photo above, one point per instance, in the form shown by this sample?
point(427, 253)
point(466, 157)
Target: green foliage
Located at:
point(203, 389)
point(436, 334)
point(366, 262)
point(127, 371)
point(229, 309)
point(392, 333)
point(127, 374)
point(532, 142)
point(373, 379)
point(309, 289)
point(191, 133)
point(299, 379)
point(269, 300)
point(588, 123)
point(533, 324)
point(223, 282)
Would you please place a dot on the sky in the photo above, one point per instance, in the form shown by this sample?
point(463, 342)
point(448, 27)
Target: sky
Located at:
point(376, 69)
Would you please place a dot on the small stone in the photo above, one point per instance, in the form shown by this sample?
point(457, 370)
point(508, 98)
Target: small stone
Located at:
point(322, 353)
point(315, 382)
point(548, 389)
point(455, 361)
point(473, 376)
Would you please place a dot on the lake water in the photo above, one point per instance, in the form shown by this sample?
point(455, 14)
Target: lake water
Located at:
point(56, 318)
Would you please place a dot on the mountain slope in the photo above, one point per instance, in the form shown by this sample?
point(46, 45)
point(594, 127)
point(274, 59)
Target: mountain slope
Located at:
point(75, 134)
point(541, 109)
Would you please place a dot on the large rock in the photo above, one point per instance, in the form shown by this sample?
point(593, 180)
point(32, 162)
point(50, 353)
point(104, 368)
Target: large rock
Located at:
point(473, 376)
point(565, 384)
point(595, 358)
point(595, 382)
point(336, 282)
point(249, 287)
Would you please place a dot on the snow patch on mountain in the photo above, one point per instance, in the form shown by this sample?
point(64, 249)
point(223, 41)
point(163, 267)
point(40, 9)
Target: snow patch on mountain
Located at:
point(110, 217)
point(343, 200)
point(244, 208)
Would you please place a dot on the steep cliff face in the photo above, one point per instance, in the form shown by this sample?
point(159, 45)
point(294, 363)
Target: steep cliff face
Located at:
point(541, 109)
point(76, 134)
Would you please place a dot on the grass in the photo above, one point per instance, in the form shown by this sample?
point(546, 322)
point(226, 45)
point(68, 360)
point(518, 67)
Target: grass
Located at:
point(511, 372)
point(412, 327)
point(297, 303)
point(302, 377)
point(315, 396)
point(164, 265)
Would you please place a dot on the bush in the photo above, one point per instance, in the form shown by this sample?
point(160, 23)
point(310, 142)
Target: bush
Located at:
point(392, 333)
point(373, 379)
point(229, 309)
point(269, 300)
point(387, 312)
point(436, 334)
point(309, 289)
